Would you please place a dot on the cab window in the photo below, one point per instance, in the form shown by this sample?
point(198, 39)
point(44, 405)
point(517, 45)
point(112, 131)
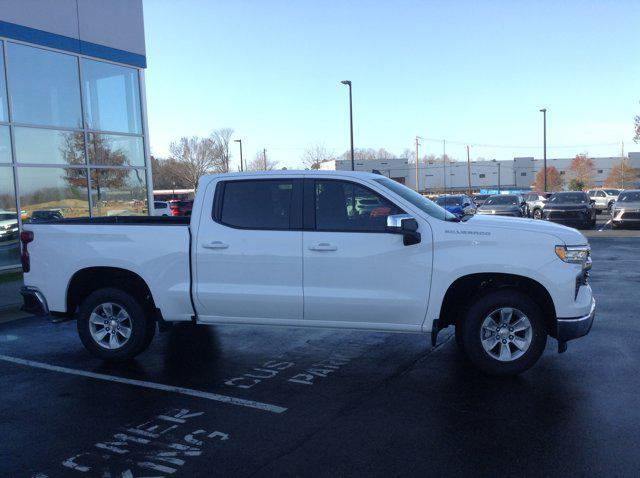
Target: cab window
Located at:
point(349, 207)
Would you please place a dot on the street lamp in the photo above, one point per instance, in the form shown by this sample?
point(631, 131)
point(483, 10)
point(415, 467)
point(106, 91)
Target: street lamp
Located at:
point(240, 141)
point(348, 82)
point(544, 136)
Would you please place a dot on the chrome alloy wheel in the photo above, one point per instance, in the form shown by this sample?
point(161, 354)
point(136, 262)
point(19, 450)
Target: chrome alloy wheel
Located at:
point(110, 325)
point(506, 334)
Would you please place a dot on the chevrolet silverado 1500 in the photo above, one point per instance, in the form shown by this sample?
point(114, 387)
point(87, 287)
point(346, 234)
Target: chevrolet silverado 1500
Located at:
point(296, 249)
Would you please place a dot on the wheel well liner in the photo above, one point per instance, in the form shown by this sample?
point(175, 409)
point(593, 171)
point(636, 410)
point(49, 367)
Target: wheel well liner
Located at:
point(86, 281)
point(467, 288)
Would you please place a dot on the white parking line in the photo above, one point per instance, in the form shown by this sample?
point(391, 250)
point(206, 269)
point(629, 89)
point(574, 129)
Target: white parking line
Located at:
point(605, 225)
point(156, 386)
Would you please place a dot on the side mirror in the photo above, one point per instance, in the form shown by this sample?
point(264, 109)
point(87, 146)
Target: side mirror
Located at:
point(592, 201)
point(469, 210)
point(405, 225)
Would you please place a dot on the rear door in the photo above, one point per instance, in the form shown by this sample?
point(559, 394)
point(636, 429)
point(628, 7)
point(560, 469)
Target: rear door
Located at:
point(248, 251)
point(355, 273)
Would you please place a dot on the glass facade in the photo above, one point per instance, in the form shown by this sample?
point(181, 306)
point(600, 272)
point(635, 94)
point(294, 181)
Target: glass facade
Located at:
point(71, 140)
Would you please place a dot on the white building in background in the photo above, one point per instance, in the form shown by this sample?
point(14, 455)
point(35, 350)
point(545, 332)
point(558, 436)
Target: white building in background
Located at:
point(518, 173)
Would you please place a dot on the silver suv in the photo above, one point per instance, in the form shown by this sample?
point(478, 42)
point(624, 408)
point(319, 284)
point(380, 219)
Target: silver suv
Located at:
point(535, 203)
point(604, 198)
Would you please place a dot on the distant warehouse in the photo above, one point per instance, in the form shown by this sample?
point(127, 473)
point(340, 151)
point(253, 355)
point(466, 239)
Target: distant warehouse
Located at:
point(515, 174)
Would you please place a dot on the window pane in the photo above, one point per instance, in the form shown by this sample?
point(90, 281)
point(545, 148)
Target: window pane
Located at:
point(49, 193)
point(48, 146)
point(9, 244)
point(257, 204)
point(111, 97)
point(112, 150)
point(5, 145)
point(344, 206)
point(44, 87)
point(119, 192)
point(4, 113)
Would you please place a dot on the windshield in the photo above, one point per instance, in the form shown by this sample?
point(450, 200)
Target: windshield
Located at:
point(571, 198)
point(419, 201)
point(502, 201)
point(631, 196)
point(6, 217)
point(612, 192)
point(449, 201)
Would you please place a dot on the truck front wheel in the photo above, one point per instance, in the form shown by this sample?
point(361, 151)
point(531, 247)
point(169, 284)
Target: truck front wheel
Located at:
point(113, 325)
point(503, 332)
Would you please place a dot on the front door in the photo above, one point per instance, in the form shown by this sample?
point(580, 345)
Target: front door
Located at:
point(248, 252)
point(356, 273)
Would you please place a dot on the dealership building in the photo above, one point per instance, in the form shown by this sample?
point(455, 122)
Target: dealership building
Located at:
point(516, 174)
point(73, 130)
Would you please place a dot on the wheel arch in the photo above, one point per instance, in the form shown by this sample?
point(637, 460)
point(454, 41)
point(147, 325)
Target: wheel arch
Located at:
point(467, 288)
point(87, 280)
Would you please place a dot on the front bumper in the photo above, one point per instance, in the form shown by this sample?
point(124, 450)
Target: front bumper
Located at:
point(575, 327)
point(34, 301)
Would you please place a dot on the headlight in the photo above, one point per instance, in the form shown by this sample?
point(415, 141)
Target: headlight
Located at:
point(573, 254)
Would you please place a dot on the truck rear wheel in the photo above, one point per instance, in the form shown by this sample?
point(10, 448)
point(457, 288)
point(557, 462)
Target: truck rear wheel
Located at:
point(504, 332)
point(113, 325)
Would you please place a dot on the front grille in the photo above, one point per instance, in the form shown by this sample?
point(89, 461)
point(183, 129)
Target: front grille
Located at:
point(630, 215)
point(565, 215)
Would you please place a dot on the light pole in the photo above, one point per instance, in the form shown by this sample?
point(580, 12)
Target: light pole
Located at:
point(544, 142)
point(348, 83)
point(240, 141)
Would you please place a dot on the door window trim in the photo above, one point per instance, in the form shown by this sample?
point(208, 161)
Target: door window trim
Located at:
point(309, 206)
point(295, 208)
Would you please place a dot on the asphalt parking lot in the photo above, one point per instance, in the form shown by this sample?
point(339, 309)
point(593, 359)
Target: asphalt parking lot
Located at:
point(241, 401)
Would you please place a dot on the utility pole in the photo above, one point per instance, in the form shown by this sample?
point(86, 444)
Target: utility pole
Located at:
point(469, 169)
point(544, 140)
point(444, 166)
point(417, 161)
point(499, 177)
point(622, 164)
point(240, 141)
point(264, 158)
point(348, 83)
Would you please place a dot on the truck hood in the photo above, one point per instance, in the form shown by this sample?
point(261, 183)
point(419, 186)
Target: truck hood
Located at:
point(567, 235)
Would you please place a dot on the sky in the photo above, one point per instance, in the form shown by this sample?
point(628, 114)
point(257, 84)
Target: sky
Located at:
point(468, 72)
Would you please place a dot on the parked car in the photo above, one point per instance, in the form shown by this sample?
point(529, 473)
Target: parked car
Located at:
point(503, 205)
point(161, 208)
point(572, 208)
point(535, 202)
point(604, 198)
point(282, 248)
point(46, 215)
point(479, 199)
point(8, 226)
point(626, 210)
point(181, 208)
point(457, 204)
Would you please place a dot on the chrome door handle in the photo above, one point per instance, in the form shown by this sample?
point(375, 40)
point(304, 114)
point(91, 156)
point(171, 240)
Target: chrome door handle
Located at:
point(323, 247)
point(215, 245)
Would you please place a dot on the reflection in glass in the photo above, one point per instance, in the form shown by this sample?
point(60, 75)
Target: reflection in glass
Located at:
point(48, 146)
point(111, 97)
point(114, 150)
point(9, 244)
point(44, 87)
point(48, 192)
point(118, 192)
point(4, 112)
point(5, 145)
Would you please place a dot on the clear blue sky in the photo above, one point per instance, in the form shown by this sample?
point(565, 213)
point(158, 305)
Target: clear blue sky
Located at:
point(470, 71)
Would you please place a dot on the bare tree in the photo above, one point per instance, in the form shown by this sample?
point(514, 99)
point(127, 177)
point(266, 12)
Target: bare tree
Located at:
point(636, 137)
point(261, 162)
point(222, 137)
point(622, 175)
point(193, 158)
point(164, 176)
point(314, 155)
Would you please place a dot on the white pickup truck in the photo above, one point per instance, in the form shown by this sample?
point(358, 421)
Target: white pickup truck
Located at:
point(293, 248)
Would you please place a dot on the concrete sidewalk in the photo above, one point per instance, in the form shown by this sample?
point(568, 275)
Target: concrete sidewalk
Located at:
point(10, 299)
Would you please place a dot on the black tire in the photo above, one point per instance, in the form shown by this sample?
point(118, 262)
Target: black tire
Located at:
point(142, 326)
point(481, 309)
point(537, 213)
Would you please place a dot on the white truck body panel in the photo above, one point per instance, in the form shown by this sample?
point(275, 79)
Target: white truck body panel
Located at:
point(369, 281)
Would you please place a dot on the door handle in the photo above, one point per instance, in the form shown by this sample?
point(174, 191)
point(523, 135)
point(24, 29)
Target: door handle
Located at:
point(215, 245)
point(323, 247)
